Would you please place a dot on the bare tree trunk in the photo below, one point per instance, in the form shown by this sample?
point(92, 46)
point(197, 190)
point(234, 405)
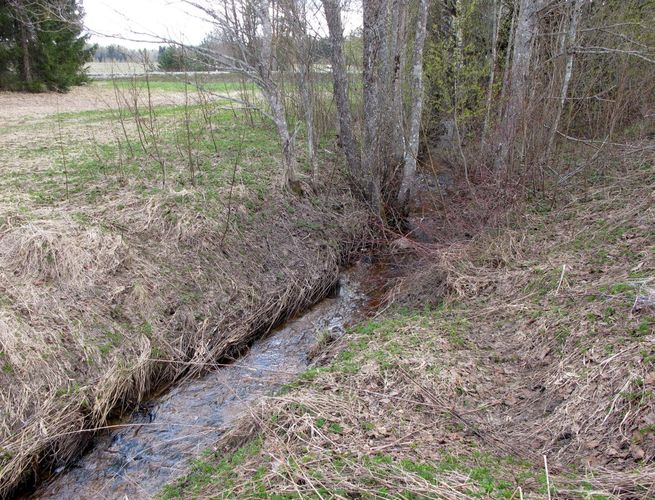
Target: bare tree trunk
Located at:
point(569, 45)
point(288, 154)
point(304, 55)
point(508, 62)
point(396, 61)
point(308, 106)
point(498, 18)
point(459, 63)
point(25, 52)
point(272, 94)
point(526, 29)
point(374, 159)
point(347, 138)
point(411, 152)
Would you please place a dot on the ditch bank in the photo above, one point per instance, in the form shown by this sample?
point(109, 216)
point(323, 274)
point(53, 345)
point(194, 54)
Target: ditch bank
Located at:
point(104, 311)
point(159, 440)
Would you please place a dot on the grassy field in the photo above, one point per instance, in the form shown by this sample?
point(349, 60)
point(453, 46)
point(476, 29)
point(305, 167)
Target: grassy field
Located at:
point(103, 146)
point(177, 83)
point(533, 378)
point(139, 232)
point(113, 68)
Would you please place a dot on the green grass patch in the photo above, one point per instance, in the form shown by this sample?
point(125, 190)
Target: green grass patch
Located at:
point(178, 83)
point(218, 473)
point(93, 170)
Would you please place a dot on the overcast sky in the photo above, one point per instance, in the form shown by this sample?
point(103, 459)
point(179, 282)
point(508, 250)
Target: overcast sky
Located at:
point(121, 21)
point(124, 18)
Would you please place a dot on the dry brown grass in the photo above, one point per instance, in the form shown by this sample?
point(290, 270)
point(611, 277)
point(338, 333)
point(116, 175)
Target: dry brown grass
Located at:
point(87, 312)
point(544, 347)
point(105, 299)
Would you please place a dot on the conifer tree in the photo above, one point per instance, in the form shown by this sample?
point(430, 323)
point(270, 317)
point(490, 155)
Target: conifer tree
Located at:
point(42, 45)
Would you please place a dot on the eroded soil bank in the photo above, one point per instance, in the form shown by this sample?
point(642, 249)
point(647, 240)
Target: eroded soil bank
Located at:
point(534, 378)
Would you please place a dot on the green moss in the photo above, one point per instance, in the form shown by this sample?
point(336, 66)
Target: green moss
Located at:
point(219, 472)
point(456, 329)
point(105, 349)
point(345, 363)
point(146, 329)
point(645, 327)
point(335, 428)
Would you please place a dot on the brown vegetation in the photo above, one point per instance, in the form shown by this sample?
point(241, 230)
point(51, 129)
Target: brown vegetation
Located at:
point(105, 300)
point(534, 377)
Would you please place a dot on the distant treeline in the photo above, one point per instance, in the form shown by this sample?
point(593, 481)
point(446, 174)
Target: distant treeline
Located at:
point(118, 53)
point(202, 57)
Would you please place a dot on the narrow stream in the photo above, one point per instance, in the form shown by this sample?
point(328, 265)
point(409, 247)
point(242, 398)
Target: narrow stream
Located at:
point(160, 439)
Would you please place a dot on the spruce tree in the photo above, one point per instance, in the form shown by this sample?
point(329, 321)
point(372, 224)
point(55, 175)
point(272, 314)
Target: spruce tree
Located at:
point(42, 45)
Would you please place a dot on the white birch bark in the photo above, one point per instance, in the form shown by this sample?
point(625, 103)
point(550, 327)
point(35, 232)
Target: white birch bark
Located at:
point(411, 151)
point(571, 37)
point(396, 62)
point(272, 94)
point(304, 60)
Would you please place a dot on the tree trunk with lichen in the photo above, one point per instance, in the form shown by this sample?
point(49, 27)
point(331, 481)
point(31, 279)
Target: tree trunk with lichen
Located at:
point(519, 75)
point(273, 97)
point(411, 151)
point(347, 139)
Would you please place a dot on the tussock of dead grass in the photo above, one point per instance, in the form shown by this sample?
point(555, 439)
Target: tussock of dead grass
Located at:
point(58, 250)
point(112, 286)
point(96, 312)
point(544, 346)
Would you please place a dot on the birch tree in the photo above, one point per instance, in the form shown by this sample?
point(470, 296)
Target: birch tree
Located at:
point(375, 43)
point(347, 138)
point(384, 167)
point(302, 45)
point(571, 36)
point(246, 26)
point(519, 74)
point(411, 152)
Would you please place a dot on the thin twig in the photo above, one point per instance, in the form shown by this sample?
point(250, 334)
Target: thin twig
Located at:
point(547, 476)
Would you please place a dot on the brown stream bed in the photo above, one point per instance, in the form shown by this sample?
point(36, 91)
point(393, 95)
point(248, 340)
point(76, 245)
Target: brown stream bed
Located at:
point(155, 445)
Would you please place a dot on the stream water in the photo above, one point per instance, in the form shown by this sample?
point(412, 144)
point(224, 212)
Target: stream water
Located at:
point(158, 441)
